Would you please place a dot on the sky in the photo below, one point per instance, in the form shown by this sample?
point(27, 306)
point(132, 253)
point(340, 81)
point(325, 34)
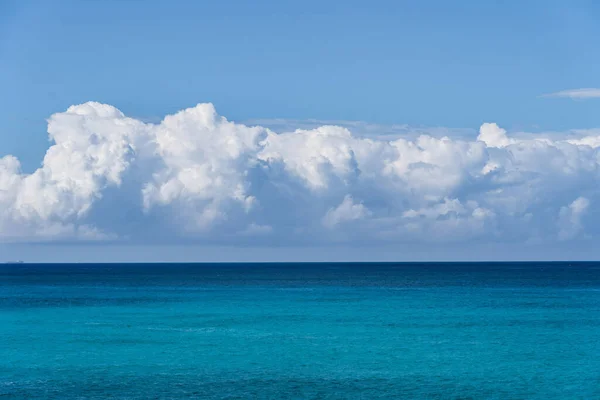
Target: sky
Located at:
point(234, 130)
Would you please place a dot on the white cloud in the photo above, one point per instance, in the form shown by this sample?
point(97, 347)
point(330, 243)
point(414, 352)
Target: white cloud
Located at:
point(204, 159)
point(313, 156)
point(197, 176)
point(94, 146)
point(580, 94)
point(570, 218)
point(494, 136)
point(362, 129)
point(346, 211)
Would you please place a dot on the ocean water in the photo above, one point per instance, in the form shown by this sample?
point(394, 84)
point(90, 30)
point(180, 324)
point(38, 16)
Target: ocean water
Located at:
point(300, 331)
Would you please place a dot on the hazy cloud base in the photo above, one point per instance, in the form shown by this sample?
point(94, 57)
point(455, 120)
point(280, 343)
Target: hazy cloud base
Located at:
point(197, 177)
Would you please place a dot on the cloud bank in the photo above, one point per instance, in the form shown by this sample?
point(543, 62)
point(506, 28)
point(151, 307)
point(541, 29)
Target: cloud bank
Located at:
point(578, 94)
point(196, 176)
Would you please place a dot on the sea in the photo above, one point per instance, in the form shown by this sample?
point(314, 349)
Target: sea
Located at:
point(300, 331)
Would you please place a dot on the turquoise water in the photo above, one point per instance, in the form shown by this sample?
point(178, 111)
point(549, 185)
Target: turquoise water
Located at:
point(315, 331)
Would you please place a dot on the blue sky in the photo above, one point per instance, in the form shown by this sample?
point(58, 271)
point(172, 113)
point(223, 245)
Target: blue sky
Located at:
point(415, 62)
point(427, 64)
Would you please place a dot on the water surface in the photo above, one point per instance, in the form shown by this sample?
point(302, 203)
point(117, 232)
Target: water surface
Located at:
point(318, 331)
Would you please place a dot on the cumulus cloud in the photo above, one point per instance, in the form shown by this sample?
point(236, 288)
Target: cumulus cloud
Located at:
point(197, 176)
point(449, 220)
point(346, 211)
point(579, 94)
point(204, 160)
point(494, 136)
point(570, 218)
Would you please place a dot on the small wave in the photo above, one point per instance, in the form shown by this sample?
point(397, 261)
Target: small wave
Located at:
point(208, 329)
